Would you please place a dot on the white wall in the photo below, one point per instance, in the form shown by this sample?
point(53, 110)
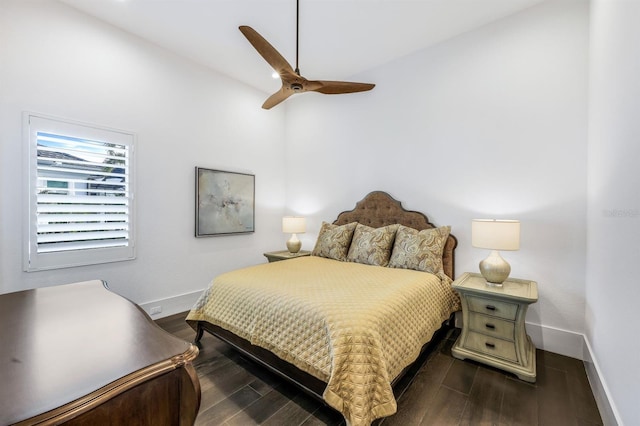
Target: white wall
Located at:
point(55, 60)
point(613, 291)
point(489, 124)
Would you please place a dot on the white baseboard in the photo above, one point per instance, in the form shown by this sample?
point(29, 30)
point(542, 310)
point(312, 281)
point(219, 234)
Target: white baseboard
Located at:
point(608, 411)
point(556, 340)
point(171, 305)
point(576, 345)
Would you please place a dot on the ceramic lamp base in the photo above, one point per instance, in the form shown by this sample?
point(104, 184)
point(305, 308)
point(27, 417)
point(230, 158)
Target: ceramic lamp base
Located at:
point(495, 269)
point(294, 244)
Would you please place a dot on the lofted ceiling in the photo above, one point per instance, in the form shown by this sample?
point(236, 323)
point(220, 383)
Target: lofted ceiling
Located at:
point(338, 38)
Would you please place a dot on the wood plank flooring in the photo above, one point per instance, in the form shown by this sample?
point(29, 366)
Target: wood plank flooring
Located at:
point(440, 391)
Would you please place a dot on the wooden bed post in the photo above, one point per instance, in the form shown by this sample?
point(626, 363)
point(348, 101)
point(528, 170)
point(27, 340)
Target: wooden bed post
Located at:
point(199, 333)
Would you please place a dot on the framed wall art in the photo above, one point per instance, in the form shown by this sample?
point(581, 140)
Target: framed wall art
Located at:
point(225, 202)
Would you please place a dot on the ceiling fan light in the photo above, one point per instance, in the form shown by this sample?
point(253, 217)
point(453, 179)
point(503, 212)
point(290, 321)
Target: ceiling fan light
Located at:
point(275, 75)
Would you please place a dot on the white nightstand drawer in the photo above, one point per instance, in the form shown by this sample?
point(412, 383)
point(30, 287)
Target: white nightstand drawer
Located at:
point(492, 326)
point(496, 308)
point(491, 346)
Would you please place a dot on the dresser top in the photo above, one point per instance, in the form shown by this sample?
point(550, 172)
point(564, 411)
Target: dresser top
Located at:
point(62, 343)
point(512, 289)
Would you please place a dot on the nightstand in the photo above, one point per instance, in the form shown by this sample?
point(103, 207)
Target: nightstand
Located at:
point(493, 329)
point(275, 256)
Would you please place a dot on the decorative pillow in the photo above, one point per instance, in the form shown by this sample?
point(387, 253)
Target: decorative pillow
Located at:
point(372, 246)
point(334, 241)
point(420, 250)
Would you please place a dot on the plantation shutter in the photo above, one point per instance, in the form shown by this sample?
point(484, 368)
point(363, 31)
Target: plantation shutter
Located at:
point(81, 195)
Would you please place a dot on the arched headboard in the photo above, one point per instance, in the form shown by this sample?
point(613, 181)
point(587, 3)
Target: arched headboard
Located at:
point(380, 209)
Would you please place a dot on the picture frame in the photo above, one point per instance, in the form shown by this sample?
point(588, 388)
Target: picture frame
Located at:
point(225, 203)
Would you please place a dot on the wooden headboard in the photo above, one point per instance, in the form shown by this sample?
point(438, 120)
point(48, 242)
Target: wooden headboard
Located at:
point(380, 209)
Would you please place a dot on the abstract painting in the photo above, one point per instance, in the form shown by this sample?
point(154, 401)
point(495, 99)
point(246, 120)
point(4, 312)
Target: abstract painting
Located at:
point(224, 202)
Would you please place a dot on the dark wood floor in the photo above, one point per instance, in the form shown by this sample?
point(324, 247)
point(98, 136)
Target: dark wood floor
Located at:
point(440, 391)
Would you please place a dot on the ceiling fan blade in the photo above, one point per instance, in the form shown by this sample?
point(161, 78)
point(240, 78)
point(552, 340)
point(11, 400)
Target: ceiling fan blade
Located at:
point(338, 87)
point(266, 50)
point(292, 81)
point(277, 97)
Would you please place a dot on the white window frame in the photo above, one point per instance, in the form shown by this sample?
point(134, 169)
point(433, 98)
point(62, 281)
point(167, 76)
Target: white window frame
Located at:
point(37, 261)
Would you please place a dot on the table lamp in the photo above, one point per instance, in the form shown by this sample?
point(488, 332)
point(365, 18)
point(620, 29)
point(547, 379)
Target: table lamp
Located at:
point(495, 235)
point(294, 225)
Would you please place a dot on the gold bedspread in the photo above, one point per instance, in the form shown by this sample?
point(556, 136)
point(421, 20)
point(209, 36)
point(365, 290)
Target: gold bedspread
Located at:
point(353, 326)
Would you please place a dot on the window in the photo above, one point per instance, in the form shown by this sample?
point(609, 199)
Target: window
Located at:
point(80, 194)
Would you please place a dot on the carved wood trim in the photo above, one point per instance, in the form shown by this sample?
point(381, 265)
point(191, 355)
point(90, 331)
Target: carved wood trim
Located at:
point(94, 399)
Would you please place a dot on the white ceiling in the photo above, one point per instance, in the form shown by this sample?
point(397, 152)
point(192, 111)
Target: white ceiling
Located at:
point(338, 38)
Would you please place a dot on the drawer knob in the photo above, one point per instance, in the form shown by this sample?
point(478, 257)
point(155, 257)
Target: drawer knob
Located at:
point(490, 307)
point(490, 345)
point(490, 326)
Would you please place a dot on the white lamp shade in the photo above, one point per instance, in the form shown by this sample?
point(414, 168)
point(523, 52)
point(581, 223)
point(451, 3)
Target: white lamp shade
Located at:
point(495, 234)
point(294, 225)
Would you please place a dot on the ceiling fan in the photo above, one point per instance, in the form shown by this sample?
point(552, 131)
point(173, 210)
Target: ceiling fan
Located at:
point(292, 81)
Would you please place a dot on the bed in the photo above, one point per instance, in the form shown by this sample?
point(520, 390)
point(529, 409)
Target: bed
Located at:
point(347, 322)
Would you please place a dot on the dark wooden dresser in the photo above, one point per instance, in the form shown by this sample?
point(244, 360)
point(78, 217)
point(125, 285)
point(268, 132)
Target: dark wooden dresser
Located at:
point(82, 355)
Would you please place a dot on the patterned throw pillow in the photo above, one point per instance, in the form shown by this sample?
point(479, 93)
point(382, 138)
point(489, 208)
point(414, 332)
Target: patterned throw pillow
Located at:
point(372, 246)
point(334, 241)
point(420, 250)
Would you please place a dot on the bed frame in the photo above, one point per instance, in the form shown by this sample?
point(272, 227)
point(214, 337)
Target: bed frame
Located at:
point(376, 209)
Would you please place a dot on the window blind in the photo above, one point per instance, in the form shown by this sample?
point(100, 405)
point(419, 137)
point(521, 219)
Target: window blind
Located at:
point(80, 192)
